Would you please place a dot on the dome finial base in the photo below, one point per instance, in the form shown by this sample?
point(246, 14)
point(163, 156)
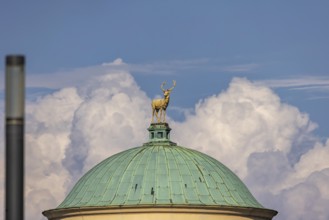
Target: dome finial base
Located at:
point(159, 133)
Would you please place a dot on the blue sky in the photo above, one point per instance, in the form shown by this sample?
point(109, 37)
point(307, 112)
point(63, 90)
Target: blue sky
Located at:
point(271, 40)
point(203, 45)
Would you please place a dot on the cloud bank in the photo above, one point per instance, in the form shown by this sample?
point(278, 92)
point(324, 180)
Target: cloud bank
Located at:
point(299, 83)
point(269, 144)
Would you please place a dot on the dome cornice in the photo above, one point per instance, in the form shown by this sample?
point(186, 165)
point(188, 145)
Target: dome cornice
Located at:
point(92, 212)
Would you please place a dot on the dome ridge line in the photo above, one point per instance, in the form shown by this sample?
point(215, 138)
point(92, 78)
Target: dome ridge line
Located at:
point(119, 158)
point(189, 182)
point(132, 159)
point(143, 189)
point(174, 151)
point(141, 154)
point(198, 181)
point(116, 172)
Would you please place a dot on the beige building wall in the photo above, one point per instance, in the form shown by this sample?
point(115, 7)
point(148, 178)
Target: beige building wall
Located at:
point(230, 213)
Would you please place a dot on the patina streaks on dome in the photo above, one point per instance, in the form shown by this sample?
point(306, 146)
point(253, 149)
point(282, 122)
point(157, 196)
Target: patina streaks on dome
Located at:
point(159, 173)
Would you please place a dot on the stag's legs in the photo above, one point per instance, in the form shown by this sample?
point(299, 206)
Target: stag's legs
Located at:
point(154, 112)
point(162, 115)
point(159, 118)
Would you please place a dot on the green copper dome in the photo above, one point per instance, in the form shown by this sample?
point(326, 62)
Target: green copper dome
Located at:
point(159, 173)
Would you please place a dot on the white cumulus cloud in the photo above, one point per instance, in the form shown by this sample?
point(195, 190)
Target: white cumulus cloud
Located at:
point(247, 127)
point(244, 119)
point(112, 117)
point(250, 130)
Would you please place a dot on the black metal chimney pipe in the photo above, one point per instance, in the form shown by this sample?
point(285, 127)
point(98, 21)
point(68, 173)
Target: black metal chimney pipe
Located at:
point(15, 102)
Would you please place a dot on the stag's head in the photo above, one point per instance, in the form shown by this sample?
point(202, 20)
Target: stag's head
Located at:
point(166, 92)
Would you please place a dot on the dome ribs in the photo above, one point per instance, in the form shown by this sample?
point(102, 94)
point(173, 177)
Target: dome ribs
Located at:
point(160, 174)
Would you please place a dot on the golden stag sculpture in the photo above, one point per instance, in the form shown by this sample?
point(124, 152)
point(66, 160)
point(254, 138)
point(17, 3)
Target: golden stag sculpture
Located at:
point(162, 104)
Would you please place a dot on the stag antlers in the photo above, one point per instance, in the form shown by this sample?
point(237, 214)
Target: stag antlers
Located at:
point(164, 83)
point(162, 104)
